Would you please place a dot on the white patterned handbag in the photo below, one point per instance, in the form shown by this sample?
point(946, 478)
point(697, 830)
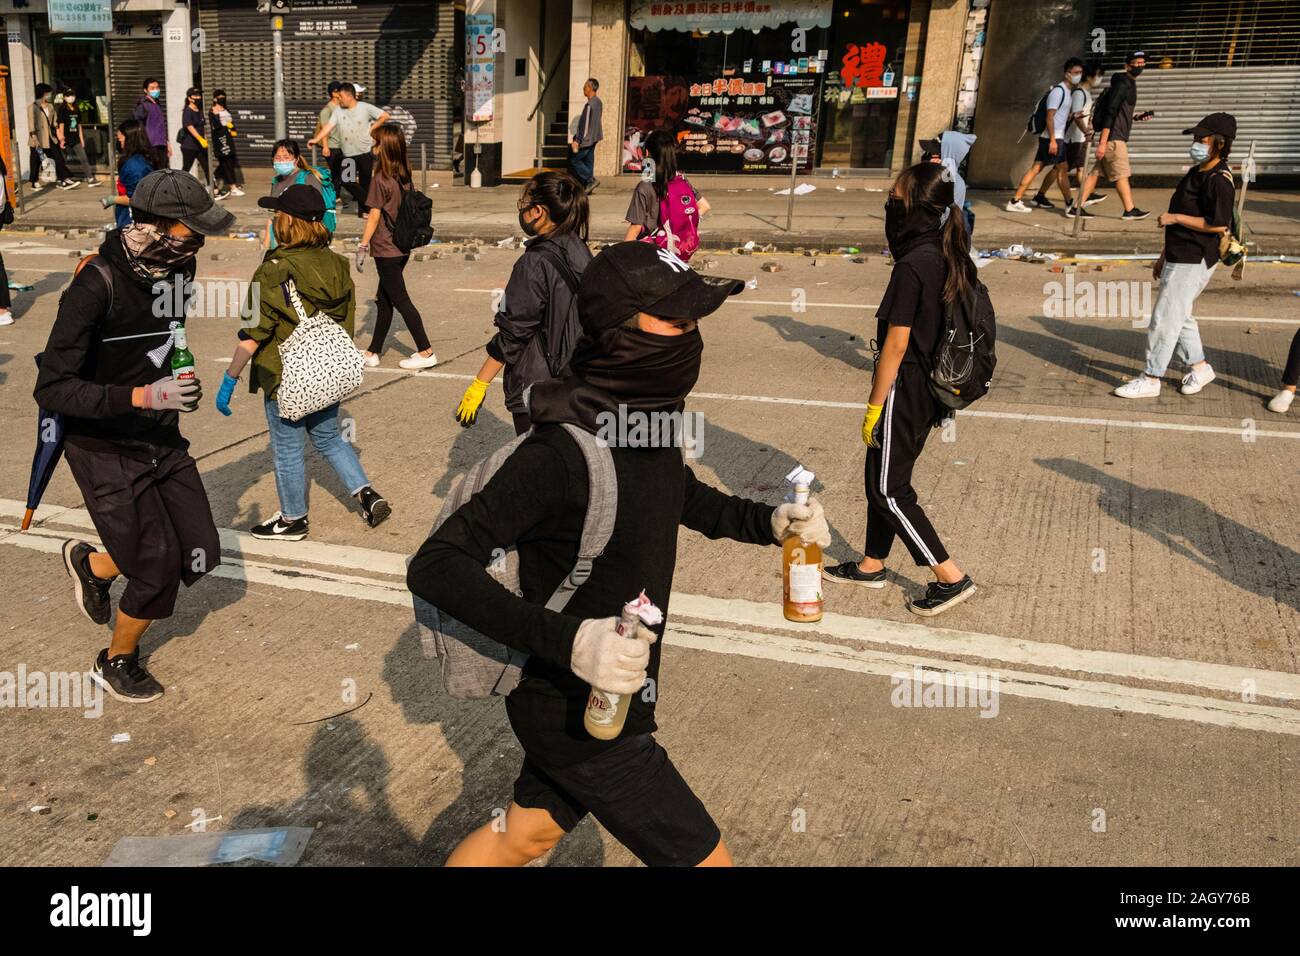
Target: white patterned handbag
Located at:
point(321, 366)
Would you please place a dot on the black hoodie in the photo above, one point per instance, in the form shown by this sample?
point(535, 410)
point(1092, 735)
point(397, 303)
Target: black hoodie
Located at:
point(96, 356)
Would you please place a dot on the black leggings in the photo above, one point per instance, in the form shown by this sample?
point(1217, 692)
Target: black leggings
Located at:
point(191, 156)
point(228, 171)
point(1291, 376)
point(393, 295)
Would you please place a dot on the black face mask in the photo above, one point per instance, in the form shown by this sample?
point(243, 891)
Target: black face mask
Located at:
point(528, 228)
point(906, 229)
point(1136, 71)
point(894, 213)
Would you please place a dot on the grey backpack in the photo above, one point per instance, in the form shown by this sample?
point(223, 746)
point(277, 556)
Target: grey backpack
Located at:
point(474, 665)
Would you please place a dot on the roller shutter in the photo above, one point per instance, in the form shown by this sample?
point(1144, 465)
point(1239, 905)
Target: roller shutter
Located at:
point(130, 60)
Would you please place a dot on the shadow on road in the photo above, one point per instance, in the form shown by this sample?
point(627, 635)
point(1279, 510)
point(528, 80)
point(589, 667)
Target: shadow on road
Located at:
point(829, 342)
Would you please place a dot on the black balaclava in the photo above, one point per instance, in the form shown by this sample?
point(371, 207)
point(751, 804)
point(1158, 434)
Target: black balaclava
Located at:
point(906, 229)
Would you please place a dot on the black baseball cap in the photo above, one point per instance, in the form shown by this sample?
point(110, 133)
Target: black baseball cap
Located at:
point(1136, 55)
point(631, 277)
point(931, 146)
point(300, 201)
point(173, 194)
point(334, 87)
point(1216, 124)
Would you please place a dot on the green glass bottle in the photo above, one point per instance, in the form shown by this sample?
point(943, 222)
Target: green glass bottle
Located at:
point(183, 362)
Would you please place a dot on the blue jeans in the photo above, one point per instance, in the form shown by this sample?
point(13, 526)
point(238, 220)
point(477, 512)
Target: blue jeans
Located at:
point(582, 164)
point(1172, 325)
point(289, 451)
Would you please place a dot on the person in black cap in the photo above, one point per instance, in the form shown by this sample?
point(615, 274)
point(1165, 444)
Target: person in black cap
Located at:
point(332, 148)
point(640, 356)
point(1113, 121)
point(1200, 211)
point(323, 282)
point(106, 369)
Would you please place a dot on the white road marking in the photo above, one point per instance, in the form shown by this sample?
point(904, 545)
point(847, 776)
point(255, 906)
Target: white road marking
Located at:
point(734, 614)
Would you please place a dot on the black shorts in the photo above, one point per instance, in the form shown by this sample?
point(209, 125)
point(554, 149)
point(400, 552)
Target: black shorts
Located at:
point(154, 520)
point(1046, 158)
point(635, 792)
point(1077, 153)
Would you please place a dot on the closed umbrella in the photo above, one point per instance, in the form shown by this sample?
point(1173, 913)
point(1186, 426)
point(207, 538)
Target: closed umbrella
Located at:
point(49, 449)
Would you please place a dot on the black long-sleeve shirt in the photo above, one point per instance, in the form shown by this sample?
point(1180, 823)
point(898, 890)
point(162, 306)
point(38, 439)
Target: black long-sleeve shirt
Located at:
point(1115, 110)
point(538, 499)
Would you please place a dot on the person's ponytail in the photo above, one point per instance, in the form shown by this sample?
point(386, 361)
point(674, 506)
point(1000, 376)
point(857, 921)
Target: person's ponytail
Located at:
point(564, 199)
point(955, 241)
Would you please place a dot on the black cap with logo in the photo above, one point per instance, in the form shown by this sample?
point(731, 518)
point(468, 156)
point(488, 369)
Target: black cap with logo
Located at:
point(173, 194)
point(631, 277)
point(300, 201)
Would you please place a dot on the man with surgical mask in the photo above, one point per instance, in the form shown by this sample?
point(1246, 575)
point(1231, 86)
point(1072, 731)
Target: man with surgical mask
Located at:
point(640, 356)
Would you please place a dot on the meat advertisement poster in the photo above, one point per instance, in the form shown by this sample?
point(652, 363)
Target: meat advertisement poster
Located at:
point(751, 123)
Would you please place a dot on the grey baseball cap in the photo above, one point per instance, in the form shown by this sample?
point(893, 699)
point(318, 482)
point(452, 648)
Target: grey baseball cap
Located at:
point(173, 194)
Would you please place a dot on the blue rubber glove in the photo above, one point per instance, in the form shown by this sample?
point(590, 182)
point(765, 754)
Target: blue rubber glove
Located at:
point(225, 392)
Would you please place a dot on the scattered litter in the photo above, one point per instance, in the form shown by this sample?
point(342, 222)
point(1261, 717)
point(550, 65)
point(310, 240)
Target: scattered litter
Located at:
point(802, 189)
point(150, 761)
point(770, 267)
point(835, 173)
point(121, 738)
point(509, 242)
point(435, 185)
point(859, 259)
point(245, 235)
point(19, 287)
point(752, 283)
point(959, 462)
point(742, 251)
point(1102, 257)
point(1065, 268)
point(872, 189)
point(849, 250)
point(92, 817)
point(351, 647)
point(169, 813)
point(1251, 330)
point(749, 246)
point(281, 846)
point(300, 723)
point(473, 256)
point(840, 189)
point(40, 808)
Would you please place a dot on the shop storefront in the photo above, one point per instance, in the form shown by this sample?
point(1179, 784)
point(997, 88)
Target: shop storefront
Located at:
point(752, 87)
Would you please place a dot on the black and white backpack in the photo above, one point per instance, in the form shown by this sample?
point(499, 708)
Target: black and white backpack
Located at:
point(961, 369)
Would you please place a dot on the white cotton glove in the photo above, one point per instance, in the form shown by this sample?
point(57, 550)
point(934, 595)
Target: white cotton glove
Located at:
point(609, 661)
point(169, 395)
point(807, 521)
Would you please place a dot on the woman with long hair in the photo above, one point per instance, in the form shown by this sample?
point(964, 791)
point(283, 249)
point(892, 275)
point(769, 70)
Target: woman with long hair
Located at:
point(536, 329)
point(229, 178)
point(322, 282)
point(932, 269)
point(292, 169)
point(136, 159)
point(391, 178)
point(643, 212)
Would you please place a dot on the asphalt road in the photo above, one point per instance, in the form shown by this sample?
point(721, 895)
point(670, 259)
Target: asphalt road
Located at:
point(1139, 604)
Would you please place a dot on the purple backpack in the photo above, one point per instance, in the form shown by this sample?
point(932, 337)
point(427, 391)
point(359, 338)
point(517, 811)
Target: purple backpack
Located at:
point(679, 220)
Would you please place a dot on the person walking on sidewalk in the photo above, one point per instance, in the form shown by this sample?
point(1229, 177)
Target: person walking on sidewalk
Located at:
point(1114, 122)
point(640, 356)
point(321, 280)
point(1280, 403)
point(586, 135)
point(932, 268)
point(1051, 151)
point(194, 144)
point(392, 178)
point(149, 111)
point(72, 137)
point(356, 122)
point(331, 146)
point(44, 140)
point(1200, 211)
point(136, 159)
point(229, 178)
point(291, 168)
point(105, 368)
point(643, 211)
point(536, 324)
point(1076, 136)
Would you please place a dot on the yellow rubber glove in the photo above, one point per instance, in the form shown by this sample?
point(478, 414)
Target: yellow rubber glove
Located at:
point(202, 142)
point(467, 410)
point(869, 422)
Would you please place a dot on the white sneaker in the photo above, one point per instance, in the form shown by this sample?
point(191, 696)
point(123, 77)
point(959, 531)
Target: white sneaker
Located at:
point(1197, 379)
point(1279, 402)
point(1018, 205)
point(1141, 387)
point(370, 360)
point(236, 191)
point(6, 318)
point(419, 361)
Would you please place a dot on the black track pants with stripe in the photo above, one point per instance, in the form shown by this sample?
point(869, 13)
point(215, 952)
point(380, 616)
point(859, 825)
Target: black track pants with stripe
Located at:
point(892, 508)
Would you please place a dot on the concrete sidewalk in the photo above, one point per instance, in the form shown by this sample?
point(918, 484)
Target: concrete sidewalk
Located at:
point(839, 212)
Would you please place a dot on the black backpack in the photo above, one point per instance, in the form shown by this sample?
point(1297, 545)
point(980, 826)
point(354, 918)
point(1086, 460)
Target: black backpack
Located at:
point(961, 369)
point(561, 332)
point(413, 226)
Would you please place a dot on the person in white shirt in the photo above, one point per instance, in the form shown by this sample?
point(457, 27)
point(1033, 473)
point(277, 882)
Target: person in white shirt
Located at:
point(1076, 136)
point(1051, 141)
point(355, 120)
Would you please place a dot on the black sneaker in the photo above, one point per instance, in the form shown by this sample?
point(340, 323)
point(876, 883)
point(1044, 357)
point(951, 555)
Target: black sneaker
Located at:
point(1042, 202)
point(1134, 214)
point(1095, 198)
point(125, 678)
point(91, 592)
point(940, 597)
point(591, 186)
point(277, 529)
point(850, 573)
point(1071, 212)
point(374, 507)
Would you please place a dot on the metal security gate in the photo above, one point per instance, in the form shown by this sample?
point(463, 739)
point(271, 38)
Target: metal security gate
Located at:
point(129, 62)
point(1203, 56)
point(404, 53)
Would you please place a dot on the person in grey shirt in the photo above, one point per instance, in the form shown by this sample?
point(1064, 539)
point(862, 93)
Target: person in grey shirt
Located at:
point(586, 136)
point(355, 121)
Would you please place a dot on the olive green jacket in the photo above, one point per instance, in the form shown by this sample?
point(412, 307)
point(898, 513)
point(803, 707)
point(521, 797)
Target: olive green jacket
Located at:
point(324, 284)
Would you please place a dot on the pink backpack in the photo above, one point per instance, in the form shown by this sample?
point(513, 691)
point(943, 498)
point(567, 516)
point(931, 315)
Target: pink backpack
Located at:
point(679, 220)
